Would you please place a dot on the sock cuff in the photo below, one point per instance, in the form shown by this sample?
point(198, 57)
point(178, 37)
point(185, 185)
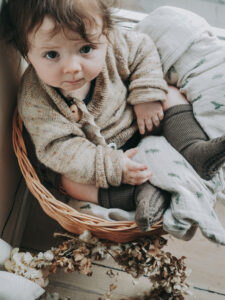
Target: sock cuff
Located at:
point(103, 198)
point(117, 197)
point(180, 127)
point(177, 109)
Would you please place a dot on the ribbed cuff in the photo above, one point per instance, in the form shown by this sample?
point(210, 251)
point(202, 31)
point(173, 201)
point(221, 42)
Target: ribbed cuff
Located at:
point(113, 170)
point(176, 110)
point(103, 198)
point(117, 197)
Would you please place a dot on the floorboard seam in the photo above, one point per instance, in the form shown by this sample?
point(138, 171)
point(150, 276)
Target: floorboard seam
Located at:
point(194, 287)
point(208, 291)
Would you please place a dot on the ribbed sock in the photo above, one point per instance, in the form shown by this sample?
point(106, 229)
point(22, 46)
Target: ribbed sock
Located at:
point(117, 197)
point(185, 134)
point(151, 203)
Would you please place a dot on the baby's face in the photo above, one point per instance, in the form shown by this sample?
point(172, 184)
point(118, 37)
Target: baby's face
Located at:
point(65, 60)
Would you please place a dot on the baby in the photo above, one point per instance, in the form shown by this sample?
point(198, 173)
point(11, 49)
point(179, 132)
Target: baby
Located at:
point(90, 91)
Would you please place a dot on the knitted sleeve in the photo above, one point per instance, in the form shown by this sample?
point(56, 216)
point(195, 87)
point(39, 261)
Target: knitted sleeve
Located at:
point(62, 146)
point(82, 161)
point(145, 81)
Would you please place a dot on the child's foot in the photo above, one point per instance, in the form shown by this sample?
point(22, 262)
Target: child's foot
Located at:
point(151, 203)
point(206, 156)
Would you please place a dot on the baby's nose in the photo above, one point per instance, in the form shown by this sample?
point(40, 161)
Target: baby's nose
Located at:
point(72, 65)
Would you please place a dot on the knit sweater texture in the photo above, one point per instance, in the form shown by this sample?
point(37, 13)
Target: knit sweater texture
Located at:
point(131, 74)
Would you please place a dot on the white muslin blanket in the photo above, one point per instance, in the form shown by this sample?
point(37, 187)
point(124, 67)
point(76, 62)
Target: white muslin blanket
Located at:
point(193, 59)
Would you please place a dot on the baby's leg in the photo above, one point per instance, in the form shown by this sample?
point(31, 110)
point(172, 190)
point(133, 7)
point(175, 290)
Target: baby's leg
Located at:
point(79, 191)
point(186, 135)
point(149, 201)
point(174, 97)
point(113, 197)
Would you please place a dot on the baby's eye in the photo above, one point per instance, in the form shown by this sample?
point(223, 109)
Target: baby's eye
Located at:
point(86, 49)
point(51, 54)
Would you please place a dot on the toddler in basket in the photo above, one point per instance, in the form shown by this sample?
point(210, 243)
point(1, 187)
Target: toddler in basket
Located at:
point(90, 92)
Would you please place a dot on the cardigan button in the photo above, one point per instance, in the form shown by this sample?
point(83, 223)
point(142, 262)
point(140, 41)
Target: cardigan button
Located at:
point(76, 112)
point(113, 146)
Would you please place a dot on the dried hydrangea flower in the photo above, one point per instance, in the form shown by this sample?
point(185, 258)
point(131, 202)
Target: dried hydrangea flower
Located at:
point(33, 267)
point(143, 257)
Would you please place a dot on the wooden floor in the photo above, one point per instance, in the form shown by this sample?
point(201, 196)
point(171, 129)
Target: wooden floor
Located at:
point(206, 259)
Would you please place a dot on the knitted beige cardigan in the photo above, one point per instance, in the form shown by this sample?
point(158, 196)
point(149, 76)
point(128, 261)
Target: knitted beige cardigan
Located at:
point(131, 74)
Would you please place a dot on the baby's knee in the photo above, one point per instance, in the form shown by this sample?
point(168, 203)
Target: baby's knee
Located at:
point(174, 97)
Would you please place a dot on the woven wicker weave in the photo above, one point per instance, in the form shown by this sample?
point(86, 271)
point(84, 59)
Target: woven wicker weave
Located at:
point(66, 216)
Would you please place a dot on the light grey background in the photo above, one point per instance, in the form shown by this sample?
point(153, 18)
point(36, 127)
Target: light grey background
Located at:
point(212, 10)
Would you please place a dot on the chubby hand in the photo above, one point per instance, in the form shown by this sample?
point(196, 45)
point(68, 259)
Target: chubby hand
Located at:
point(134, 173)
point(148, 114)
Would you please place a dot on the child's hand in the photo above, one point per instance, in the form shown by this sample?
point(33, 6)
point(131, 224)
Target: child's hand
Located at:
point(148, 114)
point(134, 173)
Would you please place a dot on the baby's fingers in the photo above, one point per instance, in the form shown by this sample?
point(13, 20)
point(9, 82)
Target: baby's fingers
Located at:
point(148, 124)
point(160, 115)
point(136, 178)
point(156, 121)
point(142, 177)
point(135, 166)
point(141, 125)
point(131, 152)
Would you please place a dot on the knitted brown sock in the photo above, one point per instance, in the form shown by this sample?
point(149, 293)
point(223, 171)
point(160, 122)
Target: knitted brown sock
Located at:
point(151, 203)
point(186, 135)
point(117, 197)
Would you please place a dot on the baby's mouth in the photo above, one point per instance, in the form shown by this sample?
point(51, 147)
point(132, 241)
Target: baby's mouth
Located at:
point(73, 81)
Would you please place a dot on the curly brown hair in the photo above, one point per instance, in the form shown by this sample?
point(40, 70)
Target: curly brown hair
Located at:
point(19, 18)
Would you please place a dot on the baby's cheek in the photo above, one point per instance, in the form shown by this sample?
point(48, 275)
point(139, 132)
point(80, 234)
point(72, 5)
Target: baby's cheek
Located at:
point(93, 72)
point(52, 79)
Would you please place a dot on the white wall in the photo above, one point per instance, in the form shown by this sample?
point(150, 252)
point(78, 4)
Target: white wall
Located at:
point(212, 10)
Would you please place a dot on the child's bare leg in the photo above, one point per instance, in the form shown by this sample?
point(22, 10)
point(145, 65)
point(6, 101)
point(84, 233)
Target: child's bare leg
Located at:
point(79, 191)
point(114, 197)
point(174, 97)
point(186, 135)
point(150, 201)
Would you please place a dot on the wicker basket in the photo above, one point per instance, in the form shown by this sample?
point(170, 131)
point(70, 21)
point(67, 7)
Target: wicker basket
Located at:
point(70, 219)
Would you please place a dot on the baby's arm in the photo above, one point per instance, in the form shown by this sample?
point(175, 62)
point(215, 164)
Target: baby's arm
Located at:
point(146, 86)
